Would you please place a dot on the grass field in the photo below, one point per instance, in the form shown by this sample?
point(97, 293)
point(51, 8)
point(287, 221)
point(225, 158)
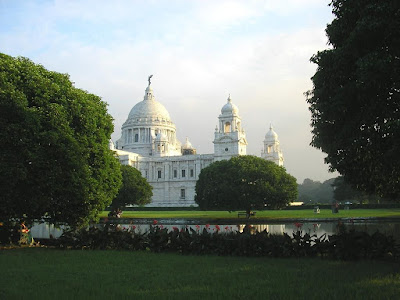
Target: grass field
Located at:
point(266, 214)
point(39, 273)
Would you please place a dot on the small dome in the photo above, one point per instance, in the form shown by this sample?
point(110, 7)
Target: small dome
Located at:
point(229, 108)
point(187, 145)
point(271, 135)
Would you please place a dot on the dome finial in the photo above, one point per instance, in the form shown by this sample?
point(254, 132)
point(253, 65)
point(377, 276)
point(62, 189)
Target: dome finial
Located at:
point(149, 91)
point(229, 97)
point(270, 126)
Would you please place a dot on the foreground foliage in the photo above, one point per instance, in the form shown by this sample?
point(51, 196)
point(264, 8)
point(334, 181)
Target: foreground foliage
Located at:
point(345, 245)
point(37, 273)
point(355, 102)
point(54, 156)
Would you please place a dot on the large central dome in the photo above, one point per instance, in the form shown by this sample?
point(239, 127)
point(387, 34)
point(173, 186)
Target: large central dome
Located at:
point(149, 108)
point(149, 131)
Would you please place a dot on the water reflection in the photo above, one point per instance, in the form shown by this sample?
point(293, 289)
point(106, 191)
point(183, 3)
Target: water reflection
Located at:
point(45, 230)
point(311, 228)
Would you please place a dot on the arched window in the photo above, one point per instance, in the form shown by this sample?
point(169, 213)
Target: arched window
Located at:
point(227, 127)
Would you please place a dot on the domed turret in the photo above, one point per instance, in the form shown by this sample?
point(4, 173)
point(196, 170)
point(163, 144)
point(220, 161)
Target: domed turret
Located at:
point(187, 148)
point(272, 150)
point(229, 136)
point(187, 145)
point(230, 108)
point(271, 135)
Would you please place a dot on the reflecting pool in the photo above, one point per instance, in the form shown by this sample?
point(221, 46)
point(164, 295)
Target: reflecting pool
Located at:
point(389, 228)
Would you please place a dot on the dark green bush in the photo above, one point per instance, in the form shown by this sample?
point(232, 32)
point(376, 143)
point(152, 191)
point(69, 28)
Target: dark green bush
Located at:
point(345, 245)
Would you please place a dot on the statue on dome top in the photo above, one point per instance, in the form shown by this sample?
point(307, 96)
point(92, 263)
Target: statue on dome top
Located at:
point(149, 79)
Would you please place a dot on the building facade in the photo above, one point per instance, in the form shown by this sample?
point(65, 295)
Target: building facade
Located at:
point(148, 142)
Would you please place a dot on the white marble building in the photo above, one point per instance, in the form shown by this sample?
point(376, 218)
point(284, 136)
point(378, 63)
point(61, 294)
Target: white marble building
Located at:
point(149, 143)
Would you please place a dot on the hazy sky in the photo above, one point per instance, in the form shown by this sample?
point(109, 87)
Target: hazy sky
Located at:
point(199, 52)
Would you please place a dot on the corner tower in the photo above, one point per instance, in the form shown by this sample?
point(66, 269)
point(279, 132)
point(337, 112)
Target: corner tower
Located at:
point(229, 137)
point(272, 150)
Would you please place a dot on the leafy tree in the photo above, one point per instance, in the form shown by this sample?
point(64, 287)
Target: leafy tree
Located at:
point(312, 192)
point(244, 182)
point(307, 191)
point(134, 190)
point(345, 192)
point(54, 156)
point(355, 102)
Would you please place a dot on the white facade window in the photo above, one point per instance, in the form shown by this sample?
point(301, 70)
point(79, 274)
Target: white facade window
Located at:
point(175, 173)
point(159, 174)
point(191, 173)
point(183, 173)
point(183, 193)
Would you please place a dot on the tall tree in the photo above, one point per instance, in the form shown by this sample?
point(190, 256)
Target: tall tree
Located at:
point(345, 192)
point(355, 102)
point(135, 189)
point(244, 182)
point(54, 156)
point(312, 192)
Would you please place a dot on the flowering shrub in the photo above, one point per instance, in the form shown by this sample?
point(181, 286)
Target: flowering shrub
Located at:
point(346, 245)
point(15, 233)
point(298, 225)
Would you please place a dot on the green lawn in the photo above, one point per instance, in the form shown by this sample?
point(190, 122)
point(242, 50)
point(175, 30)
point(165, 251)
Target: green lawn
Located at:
point(267, 214)
point(40, 273)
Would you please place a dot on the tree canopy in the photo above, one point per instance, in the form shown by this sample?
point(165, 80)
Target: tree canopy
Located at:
point(244, 183)
point(355, 101)
point(345, 192)
point(135, 189)
point(313, 192)
point(54, 155)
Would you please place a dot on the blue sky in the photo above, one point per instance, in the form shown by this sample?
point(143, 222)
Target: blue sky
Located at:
point(198, 51)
